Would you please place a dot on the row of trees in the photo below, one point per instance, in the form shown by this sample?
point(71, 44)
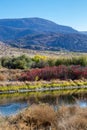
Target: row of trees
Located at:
point(38, 61)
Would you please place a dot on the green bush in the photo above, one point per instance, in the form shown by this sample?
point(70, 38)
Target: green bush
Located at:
point(21, 62)
point(38, 61)
point(51, 62)
point(82, 60)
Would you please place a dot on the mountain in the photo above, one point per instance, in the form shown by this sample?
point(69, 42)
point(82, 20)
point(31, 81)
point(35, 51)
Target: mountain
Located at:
point(71, 42)
point(84, 32)
point(41, 34)
point(15, 28)
point(36, 24)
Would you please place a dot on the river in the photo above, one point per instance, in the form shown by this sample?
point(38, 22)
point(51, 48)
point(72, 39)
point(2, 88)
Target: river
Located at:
point(13, 105)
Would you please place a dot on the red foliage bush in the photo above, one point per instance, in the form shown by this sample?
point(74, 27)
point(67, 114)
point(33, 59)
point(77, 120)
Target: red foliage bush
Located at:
point(60, 72)
point(75, 72)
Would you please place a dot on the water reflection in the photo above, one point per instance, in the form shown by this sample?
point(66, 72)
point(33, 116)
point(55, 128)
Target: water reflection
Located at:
point(9, 106)
point(11, 109)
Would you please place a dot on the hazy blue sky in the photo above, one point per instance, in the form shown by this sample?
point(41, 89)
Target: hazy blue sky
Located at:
point(66, 12)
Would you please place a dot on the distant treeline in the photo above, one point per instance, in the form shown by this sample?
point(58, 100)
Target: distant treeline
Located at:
point(38, 61)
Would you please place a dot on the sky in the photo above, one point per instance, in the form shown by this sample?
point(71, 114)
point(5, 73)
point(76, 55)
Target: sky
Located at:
point(64, 12)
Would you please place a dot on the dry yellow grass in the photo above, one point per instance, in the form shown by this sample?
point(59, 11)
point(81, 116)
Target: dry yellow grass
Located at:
point(43, 117)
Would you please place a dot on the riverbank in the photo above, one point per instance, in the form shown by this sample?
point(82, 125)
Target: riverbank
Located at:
point(29, 119)
point(40, 86)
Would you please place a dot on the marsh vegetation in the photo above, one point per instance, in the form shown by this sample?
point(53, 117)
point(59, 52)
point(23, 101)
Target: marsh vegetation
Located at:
point(43, 117)
point(43, 75)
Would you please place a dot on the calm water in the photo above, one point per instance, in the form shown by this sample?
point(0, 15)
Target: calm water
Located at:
point(10, 106)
